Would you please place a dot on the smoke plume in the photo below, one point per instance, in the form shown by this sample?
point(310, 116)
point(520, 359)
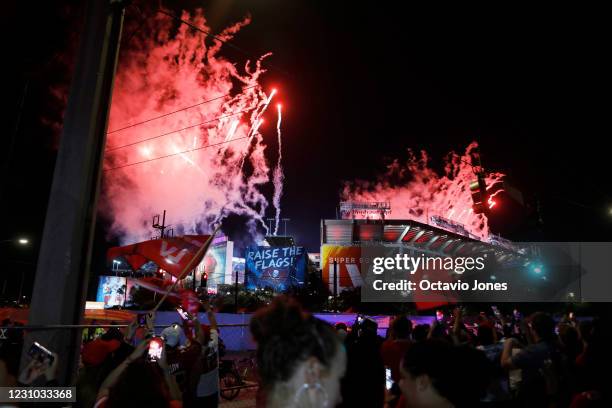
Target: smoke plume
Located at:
point(184, 132)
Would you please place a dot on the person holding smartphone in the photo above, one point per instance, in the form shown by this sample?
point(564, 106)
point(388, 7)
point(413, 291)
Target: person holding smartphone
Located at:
point(141, 380)
point(43, 363)
point(206, 373)
point(392, 351)
point(182, 357)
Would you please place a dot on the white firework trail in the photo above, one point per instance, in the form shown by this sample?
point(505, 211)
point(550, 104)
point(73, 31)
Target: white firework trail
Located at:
point(278, 173)
point(256, 120)
point(256, 123)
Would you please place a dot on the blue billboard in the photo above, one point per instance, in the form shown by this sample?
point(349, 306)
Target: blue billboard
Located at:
point(112, 291)
point(279, 268)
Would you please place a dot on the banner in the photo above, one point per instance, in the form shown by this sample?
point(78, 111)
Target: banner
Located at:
point(217, 264)
point(112, 291)
point(170, 254)
point(348, 263)
point(276, 267)
point(238, 266)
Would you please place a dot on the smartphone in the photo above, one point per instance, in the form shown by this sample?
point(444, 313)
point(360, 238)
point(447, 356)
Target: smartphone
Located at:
point(156, 345)
point(40, 353)
point(388, 379)
point(184, 315)
point(495, 311)
point(571, 315)
point(439, 315)
point(142, 319)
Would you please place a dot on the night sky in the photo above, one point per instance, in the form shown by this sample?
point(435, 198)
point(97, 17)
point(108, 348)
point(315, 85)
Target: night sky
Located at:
point(360, 83)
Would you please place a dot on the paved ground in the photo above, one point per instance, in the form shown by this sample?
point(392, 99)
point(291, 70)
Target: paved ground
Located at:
point(246, 399)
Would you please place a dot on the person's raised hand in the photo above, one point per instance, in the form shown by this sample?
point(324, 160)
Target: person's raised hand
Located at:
point(150, 323)
point(206, 305)
point(162, 361)
point(33, 370)
point(51, 369)
point(131, 329)
point(138, 351)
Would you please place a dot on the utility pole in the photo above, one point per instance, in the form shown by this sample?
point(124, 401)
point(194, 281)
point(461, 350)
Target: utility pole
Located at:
point(270, 230)
point(21, 287)
point(236, 291)
point(62, 273)
point(161, 227)
point(285, 220)
point(271, 220)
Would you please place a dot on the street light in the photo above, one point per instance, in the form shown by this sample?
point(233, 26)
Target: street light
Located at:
point(23, 242)
point(20, 241)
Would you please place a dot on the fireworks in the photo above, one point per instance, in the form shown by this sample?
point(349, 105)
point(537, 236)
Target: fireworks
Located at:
point(418, 192)
point(278, 172)
point(191, 120)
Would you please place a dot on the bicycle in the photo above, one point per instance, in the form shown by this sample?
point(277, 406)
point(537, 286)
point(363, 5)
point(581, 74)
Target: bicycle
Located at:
point(235, 375)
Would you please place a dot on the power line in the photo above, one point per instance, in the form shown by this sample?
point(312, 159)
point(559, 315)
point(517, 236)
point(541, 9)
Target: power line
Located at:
point(208, 33)
point(180, 130)
point(176, 154)
point(176, 111)
point(229, 44)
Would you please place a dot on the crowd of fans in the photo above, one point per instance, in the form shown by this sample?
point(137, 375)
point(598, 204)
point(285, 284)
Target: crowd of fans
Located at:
point(134, 368)
point(487, 360)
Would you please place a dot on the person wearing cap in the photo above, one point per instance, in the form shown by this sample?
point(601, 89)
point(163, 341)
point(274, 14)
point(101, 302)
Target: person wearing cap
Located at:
point(181, 359)
point(204, 380)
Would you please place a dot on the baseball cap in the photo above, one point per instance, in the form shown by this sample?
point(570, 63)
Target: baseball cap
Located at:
point(171, 335)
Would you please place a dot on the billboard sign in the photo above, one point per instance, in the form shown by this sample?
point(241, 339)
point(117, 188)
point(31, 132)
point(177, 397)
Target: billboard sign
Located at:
point(238, 265)
point(347, 261)
point(279, 268)
point(217, 264)
point(355, 209)
point(112, 291)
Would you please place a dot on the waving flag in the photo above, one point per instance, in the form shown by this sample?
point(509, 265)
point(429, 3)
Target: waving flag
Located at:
point(170, 254)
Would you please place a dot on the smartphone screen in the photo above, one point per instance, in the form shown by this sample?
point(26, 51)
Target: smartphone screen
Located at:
point(495, 310)
point(184, 315)
point(40, 353)
point(388, 379)
point(156, 345)
point(142, 319)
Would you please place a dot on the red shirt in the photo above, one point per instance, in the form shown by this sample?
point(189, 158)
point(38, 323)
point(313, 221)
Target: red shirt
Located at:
point(392, 352)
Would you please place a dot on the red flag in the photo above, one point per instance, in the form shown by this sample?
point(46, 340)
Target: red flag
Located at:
point(189, 300)
point(170, 254)
point(156, 285)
